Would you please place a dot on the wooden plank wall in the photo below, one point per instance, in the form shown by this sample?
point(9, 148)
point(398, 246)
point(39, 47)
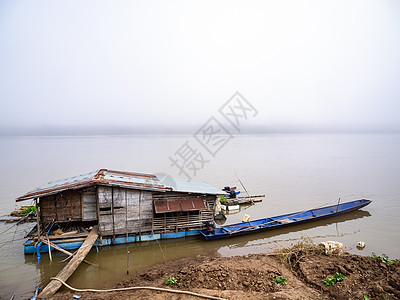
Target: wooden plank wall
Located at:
point(180, 221)
point(124, 211)
point(89, 204)
point(68, 207)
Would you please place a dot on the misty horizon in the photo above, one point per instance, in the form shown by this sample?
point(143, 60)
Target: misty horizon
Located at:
point(187, 130)
point(95, 67)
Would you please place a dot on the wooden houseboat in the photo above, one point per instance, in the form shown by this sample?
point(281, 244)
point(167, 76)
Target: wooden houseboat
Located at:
point(126, 206)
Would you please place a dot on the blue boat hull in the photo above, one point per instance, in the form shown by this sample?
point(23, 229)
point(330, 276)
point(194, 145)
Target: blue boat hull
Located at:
point(110, 241)
point(283, 220)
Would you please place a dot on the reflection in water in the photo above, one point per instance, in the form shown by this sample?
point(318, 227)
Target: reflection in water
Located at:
point(258, 242)
point(113, 259)
point(241, 209)
point(301, 227)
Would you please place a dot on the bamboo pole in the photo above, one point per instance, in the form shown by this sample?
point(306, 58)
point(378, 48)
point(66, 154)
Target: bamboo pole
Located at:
point(55, 246)
point(140, 220)
point(127, 264)
point(49, 248)
point(248, 195)
point(337, 206)
point(37, 218)
point(126, 214)
point(112, 211)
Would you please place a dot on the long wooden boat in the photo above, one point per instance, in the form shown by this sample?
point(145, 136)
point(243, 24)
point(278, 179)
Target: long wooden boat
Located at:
point(283, 220)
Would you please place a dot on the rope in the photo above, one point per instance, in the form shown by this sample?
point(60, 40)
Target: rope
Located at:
point(138, 288)
point(162, 251)
point(19, 222)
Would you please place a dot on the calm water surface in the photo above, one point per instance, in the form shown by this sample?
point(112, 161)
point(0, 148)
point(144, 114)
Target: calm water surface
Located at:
point(296, 172)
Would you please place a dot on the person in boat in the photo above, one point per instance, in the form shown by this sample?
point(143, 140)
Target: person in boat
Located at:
point(210, 226)
point(232, 191)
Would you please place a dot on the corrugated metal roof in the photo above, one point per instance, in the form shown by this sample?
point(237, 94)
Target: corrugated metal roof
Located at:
point(103, 177)
point(190, 186)
point(123, 179)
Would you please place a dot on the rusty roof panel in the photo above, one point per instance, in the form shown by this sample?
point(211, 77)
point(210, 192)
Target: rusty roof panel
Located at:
point(173, 205)
point(198, 204)
point(187, 204)
point(160, 206)
point(164, 206)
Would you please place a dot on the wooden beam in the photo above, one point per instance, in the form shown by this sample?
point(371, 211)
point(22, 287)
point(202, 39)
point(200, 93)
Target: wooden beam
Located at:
point(112, 211)
point(55, 246)
point(73, 264)
point(246, 197)
point(77, 235)
point(37, 218)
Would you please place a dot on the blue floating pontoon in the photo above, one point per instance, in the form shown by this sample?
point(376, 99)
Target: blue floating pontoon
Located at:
point(29, 246)
point(284, 220)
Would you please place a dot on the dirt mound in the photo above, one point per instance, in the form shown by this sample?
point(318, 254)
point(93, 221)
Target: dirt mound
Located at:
point(253, 273)
point(253, 277)
point(365, 276)
point(232, 278)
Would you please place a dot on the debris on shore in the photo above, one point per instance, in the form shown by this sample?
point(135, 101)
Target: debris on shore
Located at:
point(25, 213)
point(302, 271)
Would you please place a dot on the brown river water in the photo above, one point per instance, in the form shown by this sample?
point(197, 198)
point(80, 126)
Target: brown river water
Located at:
point(295, 172)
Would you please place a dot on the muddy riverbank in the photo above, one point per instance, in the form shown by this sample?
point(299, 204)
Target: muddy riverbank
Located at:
point(254, 277)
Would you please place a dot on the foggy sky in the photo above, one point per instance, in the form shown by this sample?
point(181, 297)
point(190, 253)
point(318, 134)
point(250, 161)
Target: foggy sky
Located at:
point(81, 67)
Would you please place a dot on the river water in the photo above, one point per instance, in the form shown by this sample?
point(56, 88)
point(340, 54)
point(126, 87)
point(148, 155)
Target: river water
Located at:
point(295, 172)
